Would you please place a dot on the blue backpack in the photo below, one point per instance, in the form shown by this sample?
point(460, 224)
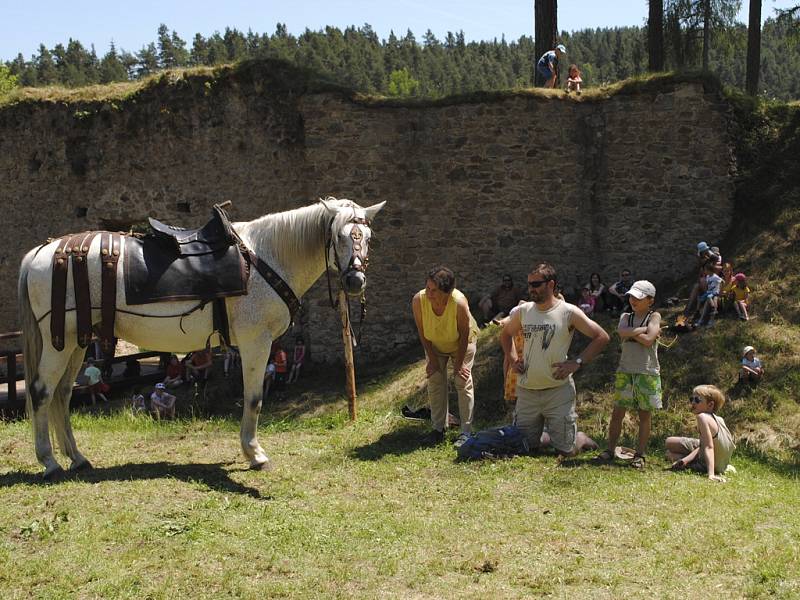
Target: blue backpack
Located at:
point(497, 442)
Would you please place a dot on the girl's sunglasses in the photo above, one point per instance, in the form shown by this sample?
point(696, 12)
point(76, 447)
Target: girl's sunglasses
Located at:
point(695, 400)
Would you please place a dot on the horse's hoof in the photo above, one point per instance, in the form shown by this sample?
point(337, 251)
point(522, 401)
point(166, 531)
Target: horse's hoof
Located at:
point(54, 474)
point(81, 466)
point(265, 466)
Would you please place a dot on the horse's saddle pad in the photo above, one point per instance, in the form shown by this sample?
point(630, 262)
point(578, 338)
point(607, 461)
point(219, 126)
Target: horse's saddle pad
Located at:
point(156, 272)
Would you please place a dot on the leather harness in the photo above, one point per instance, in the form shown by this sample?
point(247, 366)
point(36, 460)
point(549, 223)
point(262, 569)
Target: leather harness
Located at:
point(75, 248)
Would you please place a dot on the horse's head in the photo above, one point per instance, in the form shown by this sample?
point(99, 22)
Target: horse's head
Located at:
point(348, 241)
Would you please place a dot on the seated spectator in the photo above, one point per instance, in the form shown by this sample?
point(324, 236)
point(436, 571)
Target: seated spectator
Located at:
point(269, 377)
point(138, 403)
point(598, 290)
point(281, 360)
point(617, 293)
point(198, 367)
point(174, 372)
point(574, 80)
point(132, 368)
point(752, 370)
point(231, 360)
point(297, 360)
point(162, 404)
point(708, 299)
point(500, 302)
point(740, 294)
point(705, 256)
point(726, 289)
point(587, 302)
point(711, 452)
point(97, 387)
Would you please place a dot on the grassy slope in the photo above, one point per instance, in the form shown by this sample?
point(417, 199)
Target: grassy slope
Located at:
point(362, 510)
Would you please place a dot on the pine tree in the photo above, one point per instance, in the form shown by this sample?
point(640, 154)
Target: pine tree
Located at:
point(111, 67)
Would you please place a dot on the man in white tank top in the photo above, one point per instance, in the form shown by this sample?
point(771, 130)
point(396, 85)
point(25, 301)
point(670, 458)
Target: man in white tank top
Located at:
point(545, 389)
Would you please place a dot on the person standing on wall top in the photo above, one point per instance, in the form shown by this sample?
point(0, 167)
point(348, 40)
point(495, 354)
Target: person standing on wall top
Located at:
point(545, 389)
point(448, 332)
point(548, 65)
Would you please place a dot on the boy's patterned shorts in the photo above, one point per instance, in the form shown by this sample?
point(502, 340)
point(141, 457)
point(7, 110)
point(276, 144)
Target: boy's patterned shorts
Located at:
point(637, 391)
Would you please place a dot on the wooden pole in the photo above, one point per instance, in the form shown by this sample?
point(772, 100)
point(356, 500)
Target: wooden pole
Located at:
point(349, 365)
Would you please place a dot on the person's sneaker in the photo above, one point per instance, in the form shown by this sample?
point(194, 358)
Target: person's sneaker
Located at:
point(421, 414)
point(709, 323)
point(434, 437)
point(452, 420)
point(460, 440)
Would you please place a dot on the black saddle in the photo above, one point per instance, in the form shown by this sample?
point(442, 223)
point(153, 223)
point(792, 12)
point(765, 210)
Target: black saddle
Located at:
point(185, 264)
point(214, 236)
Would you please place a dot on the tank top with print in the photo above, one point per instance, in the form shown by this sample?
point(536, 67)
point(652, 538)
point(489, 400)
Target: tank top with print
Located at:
point(547, 336)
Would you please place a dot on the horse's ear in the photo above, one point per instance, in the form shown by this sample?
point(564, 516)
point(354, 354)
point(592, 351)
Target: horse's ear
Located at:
point(332, 210)
point(373, 210)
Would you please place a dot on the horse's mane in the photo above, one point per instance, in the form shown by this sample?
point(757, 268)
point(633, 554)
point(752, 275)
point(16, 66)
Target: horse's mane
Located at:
point(293, 232)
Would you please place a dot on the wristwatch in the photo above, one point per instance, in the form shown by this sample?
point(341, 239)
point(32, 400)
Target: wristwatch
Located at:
point(579, 360)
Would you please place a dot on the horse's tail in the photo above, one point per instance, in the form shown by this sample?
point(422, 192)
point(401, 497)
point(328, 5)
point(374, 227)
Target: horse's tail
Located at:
point(31, 337)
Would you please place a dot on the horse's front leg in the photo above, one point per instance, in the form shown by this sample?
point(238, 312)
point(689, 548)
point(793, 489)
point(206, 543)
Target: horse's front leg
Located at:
point(254, 363)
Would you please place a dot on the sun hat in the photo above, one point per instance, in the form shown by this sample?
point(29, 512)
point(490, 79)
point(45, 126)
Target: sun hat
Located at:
point(561, 48)
point(702, 247)
point(740, 277)
point(747, 349)
point(160, 386)
point(642, 289)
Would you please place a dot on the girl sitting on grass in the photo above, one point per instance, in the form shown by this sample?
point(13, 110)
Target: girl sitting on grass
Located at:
point(740, 294)
point(711, 453)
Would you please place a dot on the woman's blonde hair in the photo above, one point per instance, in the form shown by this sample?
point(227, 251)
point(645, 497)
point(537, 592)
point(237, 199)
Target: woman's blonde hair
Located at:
point(710, 393)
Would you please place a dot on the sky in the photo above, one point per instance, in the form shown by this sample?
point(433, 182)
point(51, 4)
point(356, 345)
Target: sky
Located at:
point(133, 24)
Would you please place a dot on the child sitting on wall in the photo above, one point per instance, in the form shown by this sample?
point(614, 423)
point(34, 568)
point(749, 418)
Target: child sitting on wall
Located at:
point(574, 80)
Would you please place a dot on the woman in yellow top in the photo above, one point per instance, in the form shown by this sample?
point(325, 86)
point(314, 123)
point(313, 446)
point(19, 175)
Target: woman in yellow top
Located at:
point(447, 331)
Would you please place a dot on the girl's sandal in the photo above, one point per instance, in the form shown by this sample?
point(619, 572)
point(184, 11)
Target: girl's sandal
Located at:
point(604, 457)
point(638, 461)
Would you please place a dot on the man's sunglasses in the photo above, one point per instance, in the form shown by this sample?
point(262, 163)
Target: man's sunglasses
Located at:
point(536, 284)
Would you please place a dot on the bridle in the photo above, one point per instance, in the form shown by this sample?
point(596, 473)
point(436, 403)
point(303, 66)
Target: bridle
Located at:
point(358, 262)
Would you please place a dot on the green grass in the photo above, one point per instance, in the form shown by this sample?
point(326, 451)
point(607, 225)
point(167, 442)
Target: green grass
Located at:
point(363, 510)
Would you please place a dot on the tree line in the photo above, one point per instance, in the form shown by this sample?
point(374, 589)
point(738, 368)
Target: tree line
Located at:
point(432, 67)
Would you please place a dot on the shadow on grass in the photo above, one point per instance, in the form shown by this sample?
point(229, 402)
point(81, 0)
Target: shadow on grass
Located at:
point(213, 475)
point(395, 443)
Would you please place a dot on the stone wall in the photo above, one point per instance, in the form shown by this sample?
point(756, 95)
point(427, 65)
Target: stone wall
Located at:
point(485, 187)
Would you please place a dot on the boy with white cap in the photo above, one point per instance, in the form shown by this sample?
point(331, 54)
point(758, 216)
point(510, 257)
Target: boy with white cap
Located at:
point(162, 404)
point(752, 369)
point(638, 378)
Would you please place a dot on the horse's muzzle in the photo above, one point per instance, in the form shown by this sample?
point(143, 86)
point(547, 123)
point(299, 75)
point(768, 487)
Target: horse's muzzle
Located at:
point(354, 282)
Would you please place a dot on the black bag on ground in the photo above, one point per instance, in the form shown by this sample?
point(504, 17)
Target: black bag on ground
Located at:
point(497, 442)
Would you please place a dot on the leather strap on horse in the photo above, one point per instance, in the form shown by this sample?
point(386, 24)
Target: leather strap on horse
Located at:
point(80, 279)
point(58, 294)
point(276, 282)
point(110, 245)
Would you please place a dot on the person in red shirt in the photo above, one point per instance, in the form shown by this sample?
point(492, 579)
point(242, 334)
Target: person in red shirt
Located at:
point(174, 372)
point(281, 366)
point(198, 367)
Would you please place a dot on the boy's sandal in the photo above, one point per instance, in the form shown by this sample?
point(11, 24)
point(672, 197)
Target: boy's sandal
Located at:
point(604, 457)
point(638, 461)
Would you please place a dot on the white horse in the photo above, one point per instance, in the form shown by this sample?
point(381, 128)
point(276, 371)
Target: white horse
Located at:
point(297, 244)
